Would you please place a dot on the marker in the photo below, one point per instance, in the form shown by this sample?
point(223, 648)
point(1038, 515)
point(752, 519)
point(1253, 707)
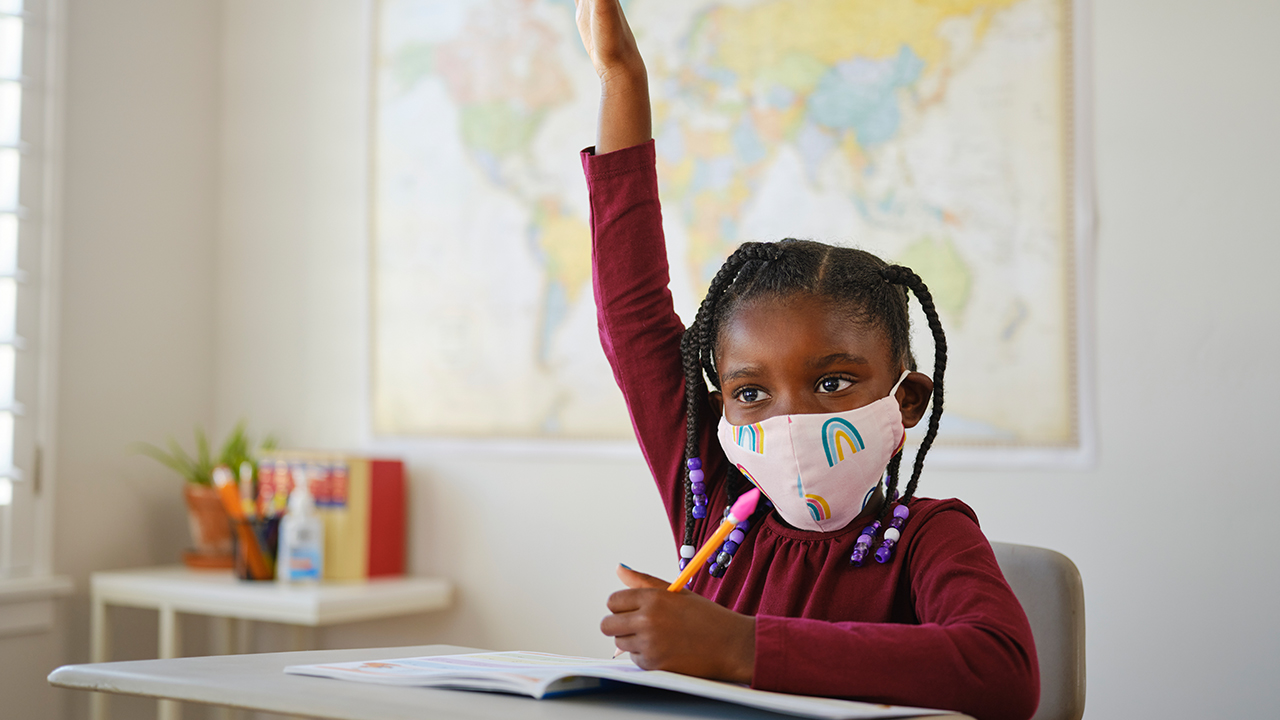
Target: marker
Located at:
point(740, 511)
point(230, 496)
point(247, 504)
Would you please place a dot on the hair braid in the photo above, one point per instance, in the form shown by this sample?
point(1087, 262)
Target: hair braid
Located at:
point(892, 486)
point(900, 275)
point(692, 377)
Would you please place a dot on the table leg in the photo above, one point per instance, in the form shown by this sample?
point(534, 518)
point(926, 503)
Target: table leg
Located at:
point(221, 639)
point(99, 651)
point(170, 646)
point(244, 640)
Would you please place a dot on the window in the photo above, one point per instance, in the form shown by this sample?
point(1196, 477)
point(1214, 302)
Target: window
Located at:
point(24, 232)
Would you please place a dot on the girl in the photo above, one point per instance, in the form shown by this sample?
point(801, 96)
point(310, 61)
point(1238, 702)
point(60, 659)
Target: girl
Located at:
point(835, 587)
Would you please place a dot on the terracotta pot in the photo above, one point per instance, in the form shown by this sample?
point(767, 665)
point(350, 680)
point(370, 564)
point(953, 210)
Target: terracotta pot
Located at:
point(210, 526)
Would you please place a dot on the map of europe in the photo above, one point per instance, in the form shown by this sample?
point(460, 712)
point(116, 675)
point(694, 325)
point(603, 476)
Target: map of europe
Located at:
point(935, 133)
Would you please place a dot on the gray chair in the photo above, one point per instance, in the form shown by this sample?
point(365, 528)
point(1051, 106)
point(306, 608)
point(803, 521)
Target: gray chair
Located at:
point(1048, 585)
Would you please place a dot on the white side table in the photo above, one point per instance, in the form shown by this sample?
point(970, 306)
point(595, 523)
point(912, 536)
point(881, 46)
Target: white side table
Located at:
point(177, 589)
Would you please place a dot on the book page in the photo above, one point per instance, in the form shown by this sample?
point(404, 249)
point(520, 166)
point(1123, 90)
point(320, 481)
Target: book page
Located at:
point(546, 675)
point(520, 672)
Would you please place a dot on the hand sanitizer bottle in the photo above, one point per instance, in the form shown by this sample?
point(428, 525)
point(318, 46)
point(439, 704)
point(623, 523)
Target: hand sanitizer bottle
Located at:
point(301, 556)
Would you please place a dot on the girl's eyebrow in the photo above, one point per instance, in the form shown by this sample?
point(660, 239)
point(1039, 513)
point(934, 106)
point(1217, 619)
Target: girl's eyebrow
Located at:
point(747, 371)
point(837, 358)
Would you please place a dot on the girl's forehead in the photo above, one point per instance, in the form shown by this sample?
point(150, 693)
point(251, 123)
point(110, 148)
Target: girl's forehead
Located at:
point(799, 324)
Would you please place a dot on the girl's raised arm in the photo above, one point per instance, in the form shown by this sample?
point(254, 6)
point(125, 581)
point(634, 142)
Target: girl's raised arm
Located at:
point(625, 118)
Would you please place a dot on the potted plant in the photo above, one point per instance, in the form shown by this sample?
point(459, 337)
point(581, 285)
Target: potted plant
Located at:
point(210, 526)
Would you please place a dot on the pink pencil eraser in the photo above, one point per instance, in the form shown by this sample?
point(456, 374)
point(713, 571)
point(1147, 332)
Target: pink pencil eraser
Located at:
point(746, 505)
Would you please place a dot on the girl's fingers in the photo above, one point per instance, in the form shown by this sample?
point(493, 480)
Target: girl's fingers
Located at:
point(617, 626)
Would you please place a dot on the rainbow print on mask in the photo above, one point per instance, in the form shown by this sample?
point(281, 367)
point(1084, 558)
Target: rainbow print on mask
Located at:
point(817, 504)
point(750, 437)
point(837, 433)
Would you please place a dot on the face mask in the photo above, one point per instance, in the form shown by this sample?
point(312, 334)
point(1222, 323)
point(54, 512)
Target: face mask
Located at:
point(818, 470)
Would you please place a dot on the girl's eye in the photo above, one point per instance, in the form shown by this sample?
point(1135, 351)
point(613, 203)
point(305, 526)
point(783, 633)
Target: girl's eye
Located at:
point(833, 384)
point(750, 395)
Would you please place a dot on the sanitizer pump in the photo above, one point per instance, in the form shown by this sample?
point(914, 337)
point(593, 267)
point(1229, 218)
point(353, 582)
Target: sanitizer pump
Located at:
point(301, 556)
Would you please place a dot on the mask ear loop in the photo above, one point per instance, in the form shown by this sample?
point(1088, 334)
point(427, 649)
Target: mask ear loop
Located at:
point(898, 384)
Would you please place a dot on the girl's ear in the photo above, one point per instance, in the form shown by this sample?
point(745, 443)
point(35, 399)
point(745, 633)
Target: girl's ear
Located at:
point(716, 399)
point(913, 397)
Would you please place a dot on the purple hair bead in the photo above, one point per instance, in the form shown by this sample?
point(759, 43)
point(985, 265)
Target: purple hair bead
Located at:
point(885, 553)
point(684, 562)
point(694, 463)
point(737, 536)
point(730, 547)
point(897, 523)
point(863, 544)
point(716, 571)
point(699, 511)
point(699, 488)
point(699, 499)
point(902, 511)
point(744, 526)
point(696, 476)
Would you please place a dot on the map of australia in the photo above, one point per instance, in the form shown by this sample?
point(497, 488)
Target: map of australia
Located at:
point(931, 132)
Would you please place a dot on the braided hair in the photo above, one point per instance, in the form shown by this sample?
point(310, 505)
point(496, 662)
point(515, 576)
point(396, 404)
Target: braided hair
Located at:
point(870, 292)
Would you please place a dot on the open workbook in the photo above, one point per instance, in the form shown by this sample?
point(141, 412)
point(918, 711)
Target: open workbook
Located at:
point(541, 675)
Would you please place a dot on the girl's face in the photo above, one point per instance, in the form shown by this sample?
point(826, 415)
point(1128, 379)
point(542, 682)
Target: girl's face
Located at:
point(798, 355)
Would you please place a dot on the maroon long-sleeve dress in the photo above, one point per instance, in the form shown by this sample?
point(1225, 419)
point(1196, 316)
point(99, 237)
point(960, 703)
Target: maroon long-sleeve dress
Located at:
point(937, 626)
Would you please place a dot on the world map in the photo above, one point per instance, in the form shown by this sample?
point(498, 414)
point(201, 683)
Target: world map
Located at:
point(934, 133)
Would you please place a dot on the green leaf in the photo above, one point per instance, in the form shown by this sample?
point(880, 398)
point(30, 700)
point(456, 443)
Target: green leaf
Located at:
point(199, 469)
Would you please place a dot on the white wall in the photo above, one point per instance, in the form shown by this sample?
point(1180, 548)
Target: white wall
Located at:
point(136, 299)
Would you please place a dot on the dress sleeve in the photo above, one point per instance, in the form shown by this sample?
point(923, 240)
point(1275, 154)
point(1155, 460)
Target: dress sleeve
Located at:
point(971, 652)
point(639, 328)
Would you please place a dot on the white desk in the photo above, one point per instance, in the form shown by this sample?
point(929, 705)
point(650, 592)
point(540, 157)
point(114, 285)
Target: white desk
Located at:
point(177, 589)
point(258, 682)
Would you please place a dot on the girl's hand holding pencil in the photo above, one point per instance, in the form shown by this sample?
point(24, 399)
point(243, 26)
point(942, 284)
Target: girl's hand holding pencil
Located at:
point(679, 631)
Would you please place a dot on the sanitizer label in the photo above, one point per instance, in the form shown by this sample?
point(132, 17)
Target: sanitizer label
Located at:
point(304, 564)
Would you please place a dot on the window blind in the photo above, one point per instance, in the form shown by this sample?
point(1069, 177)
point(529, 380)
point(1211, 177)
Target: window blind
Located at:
point(23, 192)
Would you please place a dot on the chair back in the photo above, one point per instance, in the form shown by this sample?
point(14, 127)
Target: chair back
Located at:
point(1048, 585)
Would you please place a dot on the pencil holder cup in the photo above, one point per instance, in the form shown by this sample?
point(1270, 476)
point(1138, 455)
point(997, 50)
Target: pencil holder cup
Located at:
point(254, 548)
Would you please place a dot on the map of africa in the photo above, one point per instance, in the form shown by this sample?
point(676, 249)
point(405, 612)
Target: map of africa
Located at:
point(934, 133)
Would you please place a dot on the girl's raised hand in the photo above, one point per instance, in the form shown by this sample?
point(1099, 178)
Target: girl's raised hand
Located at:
point(624, 85)
point(681, 632)
point(608, 39)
